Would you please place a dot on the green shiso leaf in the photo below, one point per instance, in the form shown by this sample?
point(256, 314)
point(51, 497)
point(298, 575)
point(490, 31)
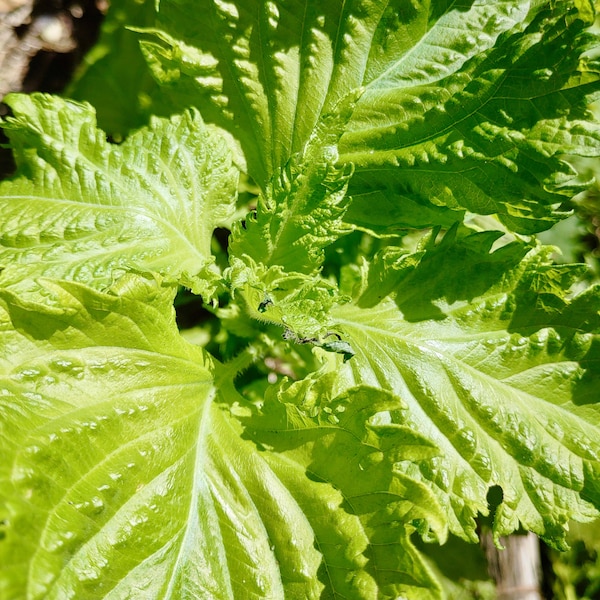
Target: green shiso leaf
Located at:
point(395, 381)
point(301, 211)
point(490, 137)
point(465, 106)
point(83, 209)
point(280, 68)
point(132, 468)
point(496, 367)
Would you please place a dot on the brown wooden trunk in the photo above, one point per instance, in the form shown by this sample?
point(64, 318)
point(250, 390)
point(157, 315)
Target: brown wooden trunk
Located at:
point(517, 568)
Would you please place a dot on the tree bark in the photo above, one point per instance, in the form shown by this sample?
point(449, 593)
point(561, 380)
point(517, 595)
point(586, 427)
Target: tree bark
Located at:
point(517, 568)
point(23, 34)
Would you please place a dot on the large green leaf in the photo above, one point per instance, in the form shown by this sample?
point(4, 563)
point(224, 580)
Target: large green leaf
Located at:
point(279, 67)
point(489, 137)
point(125, 473)
point(496, 368)
point(84, 209)
point(445, 122)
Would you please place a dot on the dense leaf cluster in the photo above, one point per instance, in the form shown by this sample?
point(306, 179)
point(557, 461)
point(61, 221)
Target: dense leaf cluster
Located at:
point(380, 342)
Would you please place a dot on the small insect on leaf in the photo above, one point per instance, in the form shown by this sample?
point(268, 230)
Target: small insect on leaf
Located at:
point(338, 346)
point(262, 307)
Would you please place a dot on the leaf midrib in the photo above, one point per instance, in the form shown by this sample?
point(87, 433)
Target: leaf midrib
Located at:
point(125, 210)
point(412, 50)
point(449, 358)
point(199, 486)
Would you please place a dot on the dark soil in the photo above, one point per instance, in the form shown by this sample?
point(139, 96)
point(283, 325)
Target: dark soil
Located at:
point(41, 44)
point(43, 41)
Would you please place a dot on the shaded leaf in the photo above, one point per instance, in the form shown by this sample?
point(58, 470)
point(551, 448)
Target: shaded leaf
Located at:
point(497, 368)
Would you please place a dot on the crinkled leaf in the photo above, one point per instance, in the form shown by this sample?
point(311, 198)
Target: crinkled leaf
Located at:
point(81, 208)
point(297, 302)
point(497, 368)
point(301, 210)
point(125, 472)
point(445, 123)
point(279, 68)
point(489, 137)
point(342, 442)
point(277, 252)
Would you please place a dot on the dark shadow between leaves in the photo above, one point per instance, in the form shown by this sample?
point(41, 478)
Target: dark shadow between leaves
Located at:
point(35, 324)
point(453, 270)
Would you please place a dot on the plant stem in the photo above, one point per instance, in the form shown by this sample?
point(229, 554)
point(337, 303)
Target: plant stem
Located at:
point(517, 568)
